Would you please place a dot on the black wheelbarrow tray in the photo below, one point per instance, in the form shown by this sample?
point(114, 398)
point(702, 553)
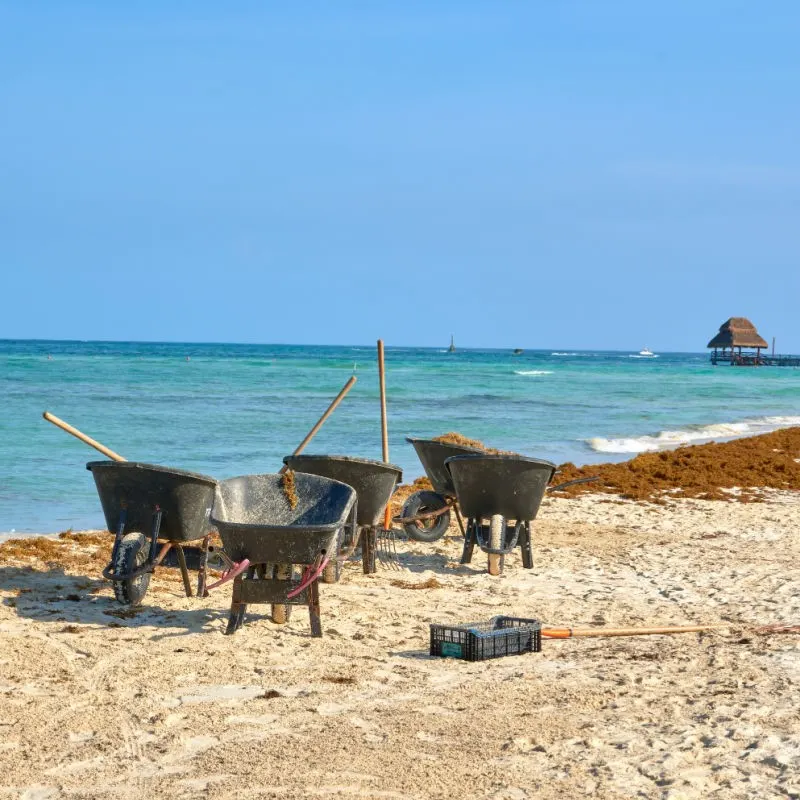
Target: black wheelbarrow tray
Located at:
point(502, 489)
point(171, 505)
point(426, 514)
point(374, 483)
point(257, 522)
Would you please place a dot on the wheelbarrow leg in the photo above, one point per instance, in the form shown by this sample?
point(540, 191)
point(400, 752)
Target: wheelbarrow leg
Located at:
point(313, 609)
point(236, 603)
point(460, 520)
point(251, 571)
point(123, 517)
point(187, 586)
point(525, 546)
point(157, 514)
point(368, 544)
point(469, 542)
point(203, 571)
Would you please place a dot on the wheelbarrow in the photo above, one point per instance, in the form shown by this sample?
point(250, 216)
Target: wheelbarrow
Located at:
point(500, 496)
point(426, 514)
point(172, 505)
point(257, 523)
point(374, 483)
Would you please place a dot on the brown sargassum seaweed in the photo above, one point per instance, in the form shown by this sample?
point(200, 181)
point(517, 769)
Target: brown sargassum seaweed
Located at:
point(287, 482)
point(706, 471)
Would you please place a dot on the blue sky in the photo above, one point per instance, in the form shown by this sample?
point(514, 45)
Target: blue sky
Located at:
point(561, 174)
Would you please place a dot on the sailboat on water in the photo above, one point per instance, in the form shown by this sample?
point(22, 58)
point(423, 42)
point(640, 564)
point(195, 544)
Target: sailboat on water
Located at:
point(452, 347)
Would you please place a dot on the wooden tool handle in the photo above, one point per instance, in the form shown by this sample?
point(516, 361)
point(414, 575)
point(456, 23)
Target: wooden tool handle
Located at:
point(59, 423)
point(387, 515)
point(569, 633)
point(328, 411)
point(384, 424)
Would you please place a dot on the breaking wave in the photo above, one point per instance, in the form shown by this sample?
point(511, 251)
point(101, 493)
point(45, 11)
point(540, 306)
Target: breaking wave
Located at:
point(664, 440)
point(533, 372)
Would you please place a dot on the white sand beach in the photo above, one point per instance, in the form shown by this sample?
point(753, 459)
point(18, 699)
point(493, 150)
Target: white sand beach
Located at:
point(159, 703)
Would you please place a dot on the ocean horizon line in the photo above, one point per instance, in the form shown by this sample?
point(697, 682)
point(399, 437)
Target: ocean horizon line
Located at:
point(550, 350)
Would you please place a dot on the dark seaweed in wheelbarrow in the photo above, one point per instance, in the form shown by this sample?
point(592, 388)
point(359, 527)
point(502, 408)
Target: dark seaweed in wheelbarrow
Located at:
point(257, 523)
point(432, 508)
point(506, 491)
point(172, 505)
point(374, 483)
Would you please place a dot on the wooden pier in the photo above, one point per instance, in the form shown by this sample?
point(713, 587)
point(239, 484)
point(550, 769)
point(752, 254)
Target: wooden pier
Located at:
point(749, 360)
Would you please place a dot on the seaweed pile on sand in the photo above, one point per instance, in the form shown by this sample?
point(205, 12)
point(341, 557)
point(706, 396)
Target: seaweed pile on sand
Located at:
point(737, 470)
point(73, 553)
point(81, 552)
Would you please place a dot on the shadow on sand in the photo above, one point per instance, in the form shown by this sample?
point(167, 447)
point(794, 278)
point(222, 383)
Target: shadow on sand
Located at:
point(418, 562)
point(53, 595)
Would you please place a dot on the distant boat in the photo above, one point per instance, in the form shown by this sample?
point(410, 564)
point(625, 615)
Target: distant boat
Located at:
point(518, 351)
point(647, 353)
point(452, 347)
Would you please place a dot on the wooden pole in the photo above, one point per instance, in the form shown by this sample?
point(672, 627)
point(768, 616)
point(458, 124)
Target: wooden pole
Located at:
point(570, 633)
point(59, 423)
point(321, 421)
point(773, 345)
point(387, 516)
point(384, 426)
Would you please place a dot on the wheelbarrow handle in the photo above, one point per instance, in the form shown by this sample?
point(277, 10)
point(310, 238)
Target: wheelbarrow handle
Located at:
point(425, 515)
point(65, 426)
point(572, 483)
point(236, 568)
point(328, 411)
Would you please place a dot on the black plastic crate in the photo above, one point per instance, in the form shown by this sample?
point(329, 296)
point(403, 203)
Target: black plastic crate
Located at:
point(478, 641)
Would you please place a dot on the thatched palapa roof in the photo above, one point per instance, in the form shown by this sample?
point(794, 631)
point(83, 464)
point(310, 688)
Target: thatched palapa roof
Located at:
point(737, 332)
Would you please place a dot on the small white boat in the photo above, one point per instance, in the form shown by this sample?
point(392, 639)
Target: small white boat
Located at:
point(647, 353)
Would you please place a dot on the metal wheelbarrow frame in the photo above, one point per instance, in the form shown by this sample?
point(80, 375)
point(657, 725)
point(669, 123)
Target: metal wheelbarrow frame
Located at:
point(258, 524)
point(426, 514)
point(505, 490)
point(173, 505)
point(374, 483)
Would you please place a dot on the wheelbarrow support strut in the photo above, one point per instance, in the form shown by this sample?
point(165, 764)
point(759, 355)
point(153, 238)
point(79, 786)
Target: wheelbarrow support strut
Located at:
point(156, 556)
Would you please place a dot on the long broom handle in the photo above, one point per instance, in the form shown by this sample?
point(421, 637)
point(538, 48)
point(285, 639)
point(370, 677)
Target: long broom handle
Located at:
point(387, 515)
point(328, 411)
point(65, 426)
point(569, 633)
point(384, 424)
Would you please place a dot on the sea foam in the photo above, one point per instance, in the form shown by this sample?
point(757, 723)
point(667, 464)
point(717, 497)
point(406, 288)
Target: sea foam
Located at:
point(533, 372)
point(664, 440)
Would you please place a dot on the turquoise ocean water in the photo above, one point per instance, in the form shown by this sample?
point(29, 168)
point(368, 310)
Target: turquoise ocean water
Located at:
point(237, 409)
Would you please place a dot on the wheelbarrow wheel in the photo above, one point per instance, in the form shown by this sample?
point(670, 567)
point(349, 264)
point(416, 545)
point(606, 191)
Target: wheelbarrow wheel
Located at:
point(132, 553)
point(496, 529)
point(426, 530)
